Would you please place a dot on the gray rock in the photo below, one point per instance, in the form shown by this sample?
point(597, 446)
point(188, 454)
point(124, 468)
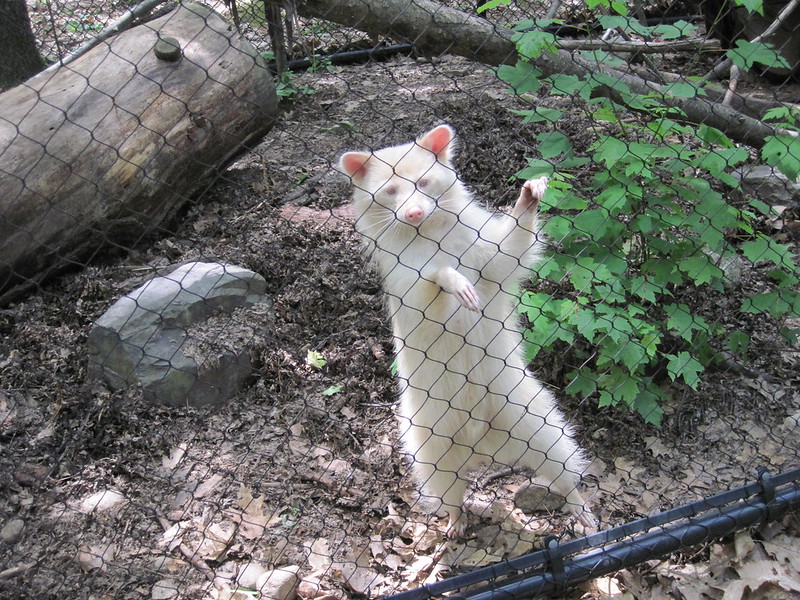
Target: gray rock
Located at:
point(184, 337)
point(12, 531)
point(280, 584)
point(768, 185)
point(535, 497)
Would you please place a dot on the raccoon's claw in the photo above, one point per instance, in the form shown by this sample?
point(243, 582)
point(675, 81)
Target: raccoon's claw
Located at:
point(468, 298)
point(588, 520)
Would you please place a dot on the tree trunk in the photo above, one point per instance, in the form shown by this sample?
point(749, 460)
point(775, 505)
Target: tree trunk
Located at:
point(105, 150)
point(436, 29)
point(19, 57)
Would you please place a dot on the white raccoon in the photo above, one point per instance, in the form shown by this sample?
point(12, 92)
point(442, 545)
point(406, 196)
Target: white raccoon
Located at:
point(449, 268)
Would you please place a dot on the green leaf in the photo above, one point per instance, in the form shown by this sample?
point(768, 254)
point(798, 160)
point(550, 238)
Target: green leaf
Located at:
point(334, 389)
point(492, 4)
point(778, 303)
point(676, 30)
point(700, 269)
point(629, 352)
point(532, 44)
point(781, 113)
point(588, 324)
point(738, 342)
point(314, 359)
point(539, 114)
point(620, 386)
point(536, 168)
point(609, 150)
point(684, 89)
point(792, 336)
point(746, 54)
point(570, 85)
point(752, 6)
point(523, 78)
point(614, 199)
point(713, 136)
point(783, 152)
point(762, 207)
point(581, 384)
point(592, 222)
point(558, 228)
point(569, 201)
point(680, 320)
point(625, 24)
point(685, 366)
point(647, 404)
point(553, 143)
point(646, 289)
point(765, 248)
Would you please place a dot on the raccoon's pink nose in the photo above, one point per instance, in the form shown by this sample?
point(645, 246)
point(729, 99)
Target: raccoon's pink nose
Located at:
point(414, 215)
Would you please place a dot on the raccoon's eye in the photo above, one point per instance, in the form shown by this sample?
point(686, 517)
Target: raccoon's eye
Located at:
point(390, 190)
point(423, 183)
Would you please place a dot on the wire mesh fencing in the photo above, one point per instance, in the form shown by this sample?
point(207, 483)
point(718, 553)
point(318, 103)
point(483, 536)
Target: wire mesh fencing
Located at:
point(336, 299)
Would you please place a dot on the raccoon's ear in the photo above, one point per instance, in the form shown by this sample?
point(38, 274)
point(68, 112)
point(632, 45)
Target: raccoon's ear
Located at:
point(354, 164)
point(440, 141)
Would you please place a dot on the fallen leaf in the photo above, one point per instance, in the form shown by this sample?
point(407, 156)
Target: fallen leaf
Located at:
point(95, 557)
point(319, 557)
point(102, 501)
point(175, 456)
point(215, 541)
point(255, 519)
point(208, 486)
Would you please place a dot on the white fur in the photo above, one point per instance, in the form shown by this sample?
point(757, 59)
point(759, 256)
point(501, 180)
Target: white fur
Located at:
point(449, 269)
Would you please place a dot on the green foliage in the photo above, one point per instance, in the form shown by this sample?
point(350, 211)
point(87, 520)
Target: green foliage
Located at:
point(746, 54)
point(285, 86)
point(655, 227)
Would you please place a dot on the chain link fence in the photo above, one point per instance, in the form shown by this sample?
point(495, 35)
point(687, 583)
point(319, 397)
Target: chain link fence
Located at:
point(270, 328)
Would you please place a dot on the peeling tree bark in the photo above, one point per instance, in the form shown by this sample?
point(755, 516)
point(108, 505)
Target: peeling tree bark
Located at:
point(435, 29)
point(105, 150)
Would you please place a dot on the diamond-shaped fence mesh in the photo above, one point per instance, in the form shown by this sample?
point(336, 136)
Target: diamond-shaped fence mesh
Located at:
point(344, 299)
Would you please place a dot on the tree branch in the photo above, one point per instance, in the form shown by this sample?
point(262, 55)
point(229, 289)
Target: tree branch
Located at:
point(641, 47)
point(436, 29)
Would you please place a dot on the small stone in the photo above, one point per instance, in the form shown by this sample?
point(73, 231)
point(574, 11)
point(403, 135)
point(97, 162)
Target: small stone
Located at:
point(280, 584)
point(535, 498)
point(248, 575)
point(168, 48)
point(12, 531)
point(164, 589)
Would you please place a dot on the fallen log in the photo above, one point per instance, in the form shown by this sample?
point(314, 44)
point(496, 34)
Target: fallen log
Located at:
point(436, 29)
point(105, 150)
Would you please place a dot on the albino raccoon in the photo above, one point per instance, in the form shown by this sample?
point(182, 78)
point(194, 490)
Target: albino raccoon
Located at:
point(449, 269)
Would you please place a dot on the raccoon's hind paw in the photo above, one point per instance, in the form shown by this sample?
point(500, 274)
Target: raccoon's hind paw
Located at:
point(457, 525)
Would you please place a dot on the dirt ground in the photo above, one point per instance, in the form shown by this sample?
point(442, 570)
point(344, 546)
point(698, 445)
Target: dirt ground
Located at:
point(103, 495)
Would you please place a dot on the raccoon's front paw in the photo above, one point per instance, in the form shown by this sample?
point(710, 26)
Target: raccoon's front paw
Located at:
point(530, 195)
point(455, 283)
point(468, 297)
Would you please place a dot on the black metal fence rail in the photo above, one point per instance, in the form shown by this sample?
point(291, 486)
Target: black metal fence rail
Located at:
point(560, 566)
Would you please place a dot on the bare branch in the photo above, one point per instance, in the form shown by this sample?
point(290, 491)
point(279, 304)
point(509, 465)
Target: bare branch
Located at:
point(696, 44)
